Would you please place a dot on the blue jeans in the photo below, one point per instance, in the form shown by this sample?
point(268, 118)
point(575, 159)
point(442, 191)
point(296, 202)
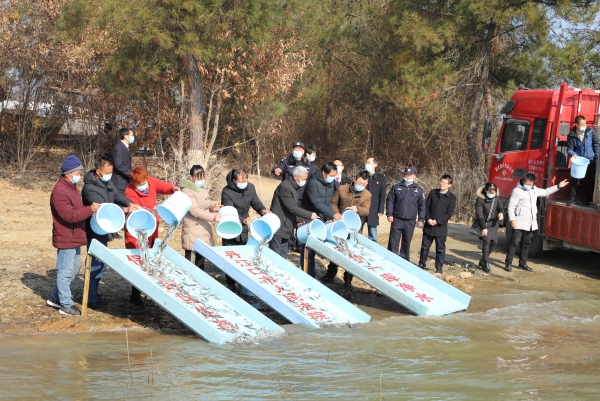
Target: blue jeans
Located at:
point(97, 271)
point(67, 264)
point(372, 232)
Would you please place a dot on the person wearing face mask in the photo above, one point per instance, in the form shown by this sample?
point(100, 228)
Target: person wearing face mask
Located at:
point(241, 194)
point(311, 155)
point(99, 188)
point(296, 158)
point(405, 203)
point(142, 191)
point(318, 199)
point(340, 179)
point(285, 206)
point(439, 208)
point(197, 222)
point(121, 157)
point(522, 214)
point(488, 212)
point(583, 142)
point(377, 186)
point(68, 233)
point(355, 197)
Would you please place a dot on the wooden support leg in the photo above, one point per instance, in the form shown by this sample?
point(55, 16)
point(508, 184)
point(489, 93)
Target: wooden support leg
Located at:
point(86, 284)
point(305, 264)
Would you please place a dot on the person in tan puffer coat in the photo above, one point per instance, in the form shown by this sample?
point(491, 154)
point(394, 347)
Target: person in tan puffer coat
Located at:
point(197, 222)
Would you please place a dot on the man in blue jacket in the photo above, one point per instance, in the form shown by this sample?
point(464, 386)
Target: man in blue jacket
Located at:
point(583, 142)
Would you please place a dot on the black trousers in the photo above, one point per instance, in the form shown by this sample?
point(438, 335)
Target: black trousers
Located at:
point(232, 242)
point(487, 249)
point(522, 238)
point(332, 269)
point(440, 250)
point(199, 259)
point(405, 229)
point(590, 181)
point(279, 246)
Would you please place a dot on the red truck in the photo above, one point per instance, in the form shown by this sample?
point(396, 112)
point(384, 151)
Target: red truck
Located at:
point(533, 139)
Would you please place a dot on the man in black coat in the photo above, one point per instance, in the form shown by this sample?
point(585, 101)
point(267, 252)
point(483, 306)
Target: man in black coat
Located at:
point(377, 187)
point(240, 194)
point(340, 179)
point(439, 207)
point(121, 159)
point(318, 199)
point(285, 206)
point(98, 188)
point(405, 202)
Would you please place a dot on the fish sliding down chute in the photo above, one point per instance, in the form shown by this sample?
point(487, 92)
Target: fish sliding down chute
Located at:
point(190, 295)
point(403, 282)
point(287, 289)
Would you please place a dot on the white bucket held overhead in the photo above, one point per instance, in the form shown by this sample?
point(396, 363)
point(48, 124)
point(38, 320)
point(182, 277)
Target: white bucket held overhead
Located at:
point(108, 219)
point(336, 229)
point(229, 226)
point(174, 208)
point(141, 219)
point(579, 166)
point(352, 219)
point(265, 227)
point(315, 228)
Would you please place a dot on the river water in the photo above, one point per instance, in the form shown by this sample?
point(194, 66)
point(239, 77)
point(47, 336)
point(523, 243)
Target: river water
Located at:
point(514, 343)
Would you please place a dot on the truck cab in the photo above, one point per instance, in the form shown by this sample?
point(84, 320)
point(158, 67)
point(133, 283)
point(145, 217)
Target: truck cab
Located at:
point(533, 139)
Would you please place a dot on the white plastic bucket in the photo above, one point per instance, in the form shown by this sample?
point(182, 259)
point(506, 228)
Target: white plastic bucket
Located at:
point(352, 219)
point(229, 226)
point(579, 166)
point(336, 229)
point(265, 227)
point(108, 219)
point(141, 219)
point(174, 208)
point(315, 228)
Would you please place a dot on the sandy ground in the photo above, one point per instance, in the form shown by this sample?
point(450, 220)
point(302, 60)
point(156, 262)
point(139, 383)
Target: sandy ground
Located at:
point(28, 271)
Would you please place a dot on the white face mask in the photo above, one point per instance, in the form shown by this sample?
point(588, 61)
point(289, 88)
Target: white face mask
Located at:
point(301, 183)
point(339, 169)
point(242, 185)
point(142, 187)
point(106, 177)
point(199, 184)
point(368, 167)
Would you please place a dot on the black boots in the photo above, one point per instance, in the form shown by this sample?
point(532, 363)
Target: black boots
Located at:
point(507, 267)
point(485, 265)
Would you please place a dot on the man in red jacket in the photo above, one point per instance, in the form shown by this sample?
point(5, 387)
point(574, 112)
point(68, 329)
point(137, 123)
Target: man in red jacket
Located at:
point(68, 232)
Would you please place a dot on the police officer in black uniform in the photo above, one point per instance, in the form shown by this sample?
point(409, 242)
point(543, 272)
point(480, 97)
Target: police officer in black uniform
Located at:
point(405, 200)
point(296, 158)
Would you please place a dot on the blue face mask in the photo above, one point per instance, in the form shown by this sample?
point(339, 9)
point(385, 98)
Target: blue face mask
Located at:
point(75, 179)
point(582, 129)
point(358, 188)
point(142, 187)
point(368, 168)
point(106, 177)
point(329, 179)
point(491, 196)
point(297, 154)
point(527, 187)
point(199, 184)
point(242, 185)
point(409, 181)
point(131, 139)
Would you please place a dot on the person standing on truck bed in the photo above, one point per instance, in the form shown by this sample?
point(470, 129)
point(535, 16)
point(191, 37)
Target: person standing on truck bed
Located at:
point(583, 142)
point(522, 214)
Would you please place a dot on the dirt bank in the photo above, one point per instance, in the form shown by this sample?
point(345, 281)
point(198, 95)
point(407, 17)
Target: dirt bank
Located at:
point(28, 272)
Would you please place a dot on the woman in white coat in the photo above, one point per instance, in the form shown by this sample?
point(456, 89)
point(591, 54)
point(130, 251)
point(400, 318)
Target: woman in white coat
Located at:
point(522, 214)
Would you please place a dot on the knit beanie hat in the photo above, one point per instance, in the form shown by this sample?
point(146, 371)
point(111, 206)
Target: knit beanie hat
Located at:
point(71, 164)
